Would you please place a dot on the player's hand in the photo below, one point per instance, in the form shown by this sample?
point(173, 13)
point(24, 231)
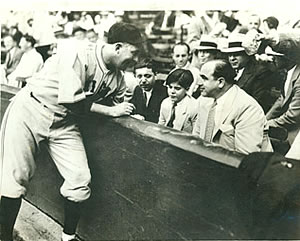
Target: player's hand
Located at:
point(123, 108)
point(139, 117)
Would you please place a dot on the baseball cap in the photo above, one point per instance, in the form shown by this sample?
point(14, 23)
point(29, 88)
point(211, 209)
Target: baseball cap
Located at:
point(124, 32)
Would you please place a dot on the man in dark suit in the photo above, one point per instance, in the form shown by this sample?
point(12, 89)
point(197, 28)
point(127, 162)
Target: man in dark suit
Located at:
point(253, 77)
point(285, 113)
point(14, 54)
point(149, 94)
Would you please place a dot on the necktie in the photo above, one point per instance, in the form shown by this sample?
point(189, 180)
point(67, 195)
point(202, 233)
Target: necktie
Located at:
point(172, 118)
point(145, 96)
point(8, 59)
point(210, 122)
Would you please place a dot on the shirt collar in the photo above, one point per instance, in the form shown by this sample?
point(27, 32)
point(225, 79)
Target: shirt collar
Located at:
point(99, 55)
point(222, 99)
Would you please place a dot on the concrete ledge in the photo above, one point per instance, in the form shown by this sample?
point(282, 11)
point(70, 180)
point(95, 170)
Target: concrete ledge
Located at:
point(34, 225)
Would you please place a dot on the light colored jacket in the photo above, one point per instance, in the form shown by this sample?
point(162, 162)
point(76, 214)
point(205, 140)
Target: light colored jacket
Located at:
point(242, 125)
point(185, 113)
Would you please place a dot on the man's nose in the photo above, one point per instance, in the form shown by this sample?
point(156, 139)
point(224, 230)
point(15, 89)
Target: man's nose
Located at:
point(231, 57)
point(143, 80)
point(135, 58)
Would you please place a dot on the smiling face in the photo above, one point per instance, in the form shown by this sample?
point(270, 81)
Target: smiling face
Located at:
point(146, 78)
point(126, 55)
point(180, 55)
point(238, 60)
point(176, 92)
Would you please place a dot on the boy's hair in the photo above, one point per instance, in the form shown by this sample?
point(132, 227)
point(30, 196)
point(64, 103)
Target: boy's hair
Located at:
point(124, 32)
point(272, 22)
point(183, 77)
point(146, 63)
point(182, 44)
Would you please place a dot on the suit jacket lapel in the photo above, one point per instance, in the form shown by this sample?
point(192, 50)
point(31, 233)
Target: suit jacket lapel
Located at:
point(244, 78)
point(225, 109)
point(294, 77)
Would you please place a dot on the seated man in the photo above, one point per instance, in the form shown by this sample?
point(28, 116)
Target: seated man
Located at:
point(148, 95)
point(181, 54)
point(253, 77)
point(205, 50)
point(179, 110)
point(13, 55)
point(285, 113)
point(30, 63)
point(231, 117)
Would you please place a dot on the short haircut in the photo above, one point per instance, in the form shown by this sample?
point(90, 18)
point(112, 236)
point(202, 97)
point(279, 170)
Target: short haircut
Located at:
point(30, 39)
point(146, 63)
point(223, 69)
point(183, 77)
point(272, 22)
point(182, 44)
point(91, 31)
point(78, 29)
point(255, 15)
point(125, 33)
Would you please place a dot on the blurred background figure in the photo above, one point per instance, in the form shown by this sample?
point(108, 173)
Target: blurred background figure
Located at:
point(13, 54)
point(79, 33)
point(30, 63)
point(91, 36)
point(253, 22)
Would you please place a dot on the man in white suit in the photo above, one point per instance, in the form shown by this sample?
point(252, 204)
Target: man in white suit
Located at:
point(231, 117)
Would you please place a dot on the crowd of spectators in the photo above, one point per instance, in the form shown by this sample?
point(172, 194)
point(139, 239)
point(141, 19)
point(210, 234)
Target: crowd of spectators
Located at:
point(263, 51)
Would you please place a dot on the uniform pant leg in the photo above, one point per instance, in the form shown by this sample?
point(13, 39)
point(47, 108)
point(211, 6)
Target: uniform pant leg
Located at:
point(23, 127)
point(67, 150)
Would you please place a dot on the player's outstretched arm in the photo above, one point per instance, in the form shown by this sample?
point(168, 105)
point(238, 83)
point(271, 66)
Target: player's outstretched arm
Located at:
point(121, 109)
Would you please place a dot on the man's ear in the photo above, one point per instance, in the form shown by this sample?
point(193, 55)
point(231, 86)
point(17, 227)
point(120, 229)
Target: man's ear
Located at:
point(221, 82)
point(118, 46)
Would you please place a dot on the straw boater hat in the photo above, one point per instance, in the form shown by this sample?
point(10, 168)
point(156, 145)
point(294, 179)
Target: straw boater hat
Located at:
point(235, 44)
point(206, 43)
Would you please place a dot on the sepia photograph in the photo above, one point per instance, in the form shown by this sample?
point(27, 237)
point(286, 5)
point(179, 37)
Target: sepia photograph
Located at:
point(149, 120)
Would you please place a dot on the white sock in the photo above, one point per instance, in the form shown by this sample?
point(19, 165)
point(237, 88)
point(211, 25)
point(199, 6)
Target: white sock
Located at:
point(67, 237)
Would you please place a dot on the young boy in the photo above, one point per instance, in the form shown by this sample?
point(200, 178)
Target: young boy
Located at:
point(150, 92)
point(179, 110)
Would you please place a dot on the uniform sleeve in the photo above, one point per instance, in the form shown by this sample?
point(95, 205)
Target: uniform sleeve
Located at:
point(71, 74)
point(120, 92)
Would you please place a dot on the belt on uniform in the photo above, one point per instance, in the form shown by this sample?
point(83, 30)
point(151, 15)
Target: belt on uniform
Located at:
point(37, 100)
